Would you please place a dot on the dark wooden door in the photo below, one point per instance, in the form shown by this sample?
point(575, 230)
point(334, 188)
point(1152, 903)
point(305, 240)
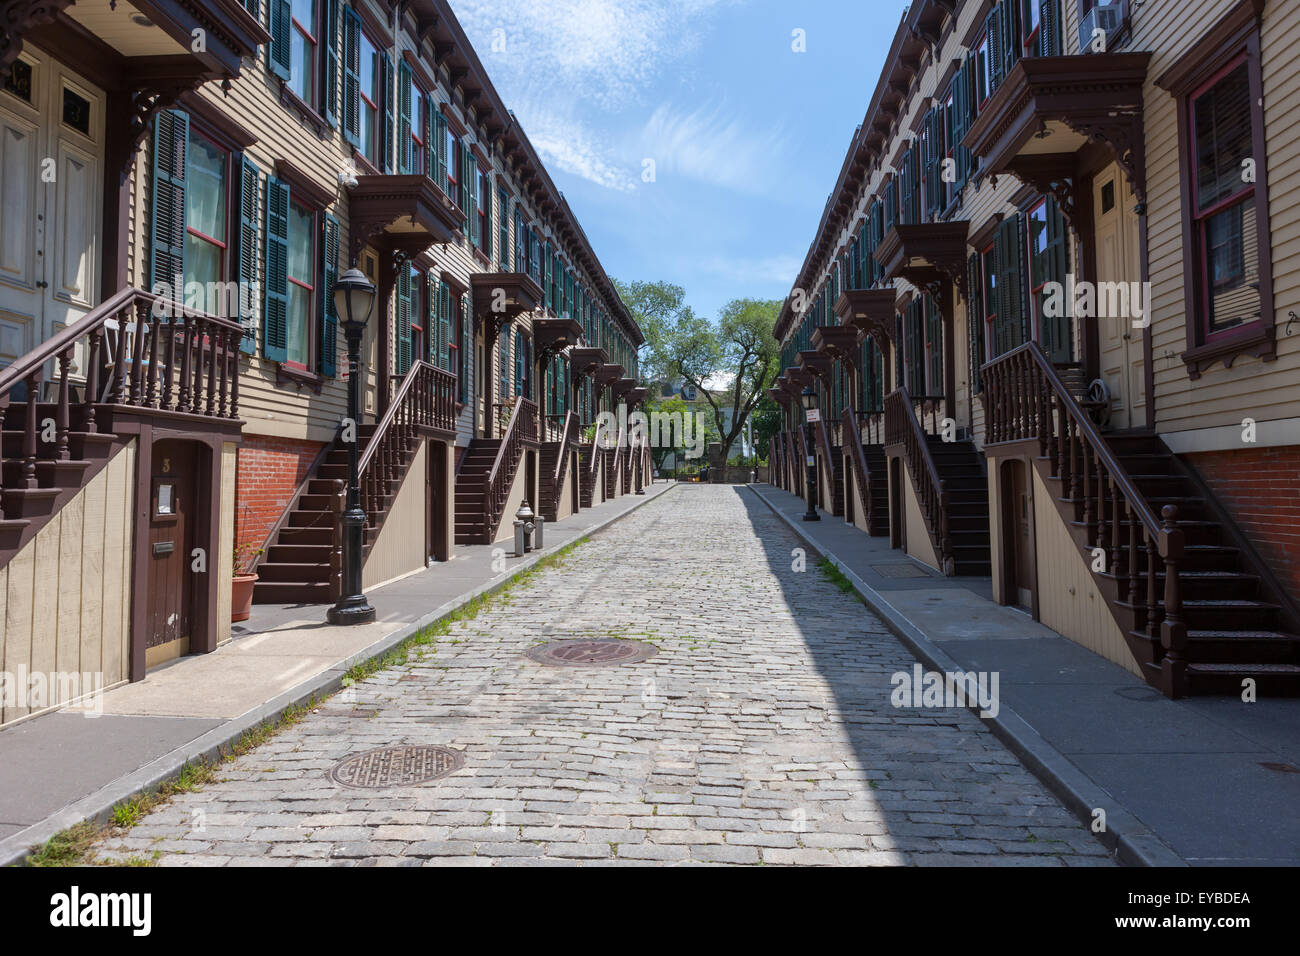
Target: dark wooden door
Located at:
point(172, 514)
point(1019, 534)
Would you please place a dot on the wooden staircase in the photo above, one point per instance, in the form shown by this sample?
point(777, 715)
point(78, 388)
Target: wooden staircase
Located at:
point(486, 473)
point(870, 476)
point(554, 462)
point(302, 559)
point(1199, 609)
point(833, 461)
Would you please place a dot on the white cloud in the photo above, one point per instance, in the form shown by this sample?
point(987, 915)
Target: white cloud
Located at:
point(708, 145)
point(778, 270)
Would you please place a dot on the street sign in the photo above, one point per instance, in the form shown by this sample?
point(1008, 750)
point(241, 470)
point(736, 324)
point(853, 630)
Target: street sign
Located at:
point(814, 415)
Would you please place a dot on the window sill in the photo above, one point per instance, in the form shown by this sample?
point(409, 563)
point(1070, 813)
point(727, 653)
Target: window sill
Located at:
point(1258, 341)
point(305, 112)
point(290, 375)
point(478, 254)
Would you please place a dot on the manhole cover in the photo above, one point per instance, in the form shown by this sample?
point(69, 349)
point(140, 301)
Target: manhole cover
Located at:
point(396, 767)
point(591, 653)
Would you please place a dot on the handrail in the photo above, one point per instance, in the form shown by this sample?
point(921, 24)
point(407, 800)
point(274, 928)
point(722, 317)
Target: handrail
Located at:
point(1028, 402)
point(522, 428)
point(425, 399)
point(562, 459)
point(902, 428)
point(853, 438)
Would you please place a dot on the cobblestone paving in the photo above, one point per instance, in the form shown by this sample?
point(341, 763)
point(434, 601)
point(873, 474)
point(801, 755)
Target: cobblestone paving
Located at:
point(762, 732)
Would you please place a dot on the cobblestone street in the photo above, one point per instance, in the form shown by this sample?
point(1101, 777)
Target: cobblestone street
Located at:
point(760, 732)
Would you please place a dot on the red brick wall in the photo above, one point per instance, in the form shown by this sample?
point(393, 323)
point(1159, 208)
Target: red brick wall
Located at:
point(1260, 488)
point(267, 474)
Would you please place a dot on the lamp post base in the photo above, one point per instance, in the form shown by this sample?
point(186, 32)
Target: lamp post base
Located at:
point(353, 610)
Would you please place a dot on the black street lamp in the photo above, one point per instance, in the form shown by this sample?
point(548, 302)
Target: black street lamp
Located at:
point(808, 397)
point(354, 300)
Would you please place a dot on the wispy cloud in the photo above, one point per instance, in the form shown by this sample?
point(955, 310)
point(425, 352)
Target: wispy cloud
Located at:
point(776, 270)
point(572, 70)
point(708, 144)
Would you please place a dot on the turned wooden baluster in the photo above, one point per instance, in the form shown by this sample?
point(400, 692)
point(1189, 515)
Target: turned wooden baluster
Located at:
point(1173, 630)
point(196, 390)
point(137, 353)
point(119, 365)
point(29, 431)
point(234, 373)
point(1134, 536)
point(92, 380)
point(151, 387)
point(187, 340)
point(1116, 533)
point(211, 407)
point(1153, 601)
point(61, 410)
point(169, 366)
point(222, 338)
point(1090, 525)
point(1103, 517)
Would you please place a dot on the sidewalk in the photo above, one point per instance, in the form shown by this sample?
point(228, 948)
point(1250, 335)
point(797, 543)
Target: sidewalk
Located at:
point(67, 766)
point(1184, 781)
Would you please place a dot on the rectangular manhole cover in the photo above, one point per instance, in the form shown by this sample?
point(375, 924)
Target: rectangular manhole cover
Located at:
point(899, 571)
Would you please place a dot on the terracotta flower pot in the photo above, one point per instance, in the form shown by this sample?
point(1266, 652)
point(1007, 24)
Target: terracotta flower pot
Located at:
point(241, 601)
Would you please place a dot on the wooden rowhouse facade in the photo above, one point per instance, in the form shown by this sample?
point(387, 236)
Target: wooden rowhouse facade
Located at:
point(1049, 313)
point(182, 182)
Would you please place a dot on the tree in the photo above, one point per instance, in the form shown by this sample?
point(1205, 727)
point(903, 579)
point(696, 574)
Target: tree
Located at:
point(657, 308)
point(738, 357)
point(769, 420)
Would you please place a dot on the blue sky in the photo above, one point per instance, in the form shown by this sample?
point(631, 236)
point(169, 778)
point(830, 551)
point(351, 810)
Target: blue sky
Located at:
point(747, 135)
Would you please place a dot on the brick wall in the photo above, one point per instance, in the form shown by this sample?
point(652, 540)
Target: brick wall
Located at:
point(1260, 488)
point(268, 472)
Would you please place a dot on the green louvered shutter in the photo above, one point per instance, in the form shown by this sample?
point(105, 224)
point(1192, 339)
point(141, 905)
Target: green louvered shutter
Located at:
point(386, 151)
point(405, 94)
point(275, 302)
point(331, 78)
point(351, 76)
point(329, 320)
point(472, 180)
point(487, 218)
point(167, 257)
point(1049, 29)
point(997, 62)
point(503, 230)
point(253, 7)
point(246, 258)
point(430, 147)
point(440, 148)
point(431, 331)
point(466, 161)
point(466, 350)
point(1056, 330)
point(444, 324)
point(278, 56)
point(1010, 328)
point(934, 340)
point(503, 363)
point(519, 362)
point(975, 321)
point(1011, 46)
point(403, 320)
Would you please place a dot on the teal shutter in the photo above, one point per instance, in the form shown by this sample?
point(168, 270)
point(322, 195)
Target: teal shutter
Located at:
point(386, 157)
point(327, 364)
point(519, 362)
point(405, 95)
point(996, 37)
point(253, 7)
point(246, 260)
point(430, 148)
point(171, 130)
point(1011, 46)
point(275, 304)
point(975, 320)
point(487, 217)
point(1011, 325)
point(440, 150)
point(331, 78)
point(466, 177)
point(1049, 29)
point(503, 230)
point(431, 330)
point(403, 320)
point(277, 53)
point(444, 325)
point(1058, 336)
point(503, 364)
point(351, 76)
point(466, 350)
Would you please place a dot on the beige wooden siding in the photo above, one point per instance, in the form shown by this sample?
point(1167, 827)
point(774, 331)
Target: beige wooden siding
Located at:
point(1264, 391)
point(66, 596)
point(519, 493)
point(566, 493)
point(400, 547)
point(1069, 601)
point(918, 544)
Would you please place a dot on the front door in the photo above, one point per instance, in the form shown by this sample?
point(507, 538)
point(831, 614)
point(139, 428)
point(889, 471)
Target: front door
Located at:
point(172, 514)
point(1018, 531)
point(51, 189)
point(1117, 261)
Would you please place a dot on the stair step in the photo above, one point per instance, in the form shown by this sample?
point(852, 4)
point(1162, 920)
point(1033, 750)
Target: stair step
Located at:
point(305, 573)
point(291, 592)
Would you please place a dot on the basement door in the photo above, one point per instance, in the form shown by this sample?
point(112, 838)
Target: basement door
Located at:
point(51, 191)
point(171, 583)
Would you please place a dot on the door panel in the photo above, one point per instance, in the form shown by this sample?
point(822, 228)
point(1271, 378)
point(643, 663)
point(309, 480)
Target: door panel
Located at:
point(1117, 254)
point(172, 512)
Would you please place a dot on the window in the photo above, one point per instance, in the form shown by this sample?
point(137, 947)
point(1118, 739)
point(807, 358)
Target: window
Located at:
point(989, 305)
point(983, 71)
point(419, 317)
point(207, 177)
point(503, 229)
point(303, 46)
point(371, 98)
point(454, 169)
point(482, 199)
point(302, 278)
point(1225, 230)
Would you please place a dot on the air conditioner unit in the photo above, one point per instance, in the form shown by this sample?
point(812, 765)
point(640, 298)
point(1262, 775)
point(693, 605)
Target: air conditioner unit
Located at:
point(1103, 21)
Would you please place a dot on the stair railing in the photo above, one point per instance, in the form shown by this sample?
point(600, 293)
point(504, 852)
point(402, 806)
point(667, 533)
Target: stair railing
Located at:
point(871, 426)
point(903, 428)
point(521, 431)
point(616, 460)
point(1027, 401)
point(862, 475)
point(426, 399)
point(823, 440)
point(568, 436)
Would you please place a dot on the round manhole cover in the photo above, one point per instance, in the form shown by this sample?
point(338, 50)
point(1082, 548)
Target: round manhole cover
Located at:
point(396, 767)
point(598, 652)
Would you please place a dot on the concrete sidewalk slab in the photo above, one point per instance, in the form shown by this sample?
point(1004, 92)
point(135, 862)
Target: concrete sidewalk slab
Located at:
point(69, 765)
point(1181, 781)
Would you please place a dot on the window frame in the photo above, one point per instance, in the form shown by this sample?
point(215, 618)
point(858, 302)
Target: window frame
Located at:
point(196, 130)
point(1235, 36)
point(317, 68)
point(364, 39)
point(313, 259)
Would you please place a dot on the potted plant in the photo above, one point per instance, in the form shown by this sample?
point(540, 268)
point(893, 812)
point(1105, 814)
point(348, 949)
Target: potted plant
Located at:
point(242, 581)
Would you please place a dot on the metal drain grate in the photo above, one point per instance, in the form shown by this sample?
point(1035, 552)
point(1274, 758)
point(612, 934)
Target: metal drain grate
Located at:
point(599, 652)
point(396, 767)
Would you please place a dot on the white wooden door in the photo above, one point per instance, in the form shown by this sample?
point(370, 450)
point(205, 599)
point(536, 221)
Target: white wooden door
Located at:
point(1117, 261)
point(51, 203)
